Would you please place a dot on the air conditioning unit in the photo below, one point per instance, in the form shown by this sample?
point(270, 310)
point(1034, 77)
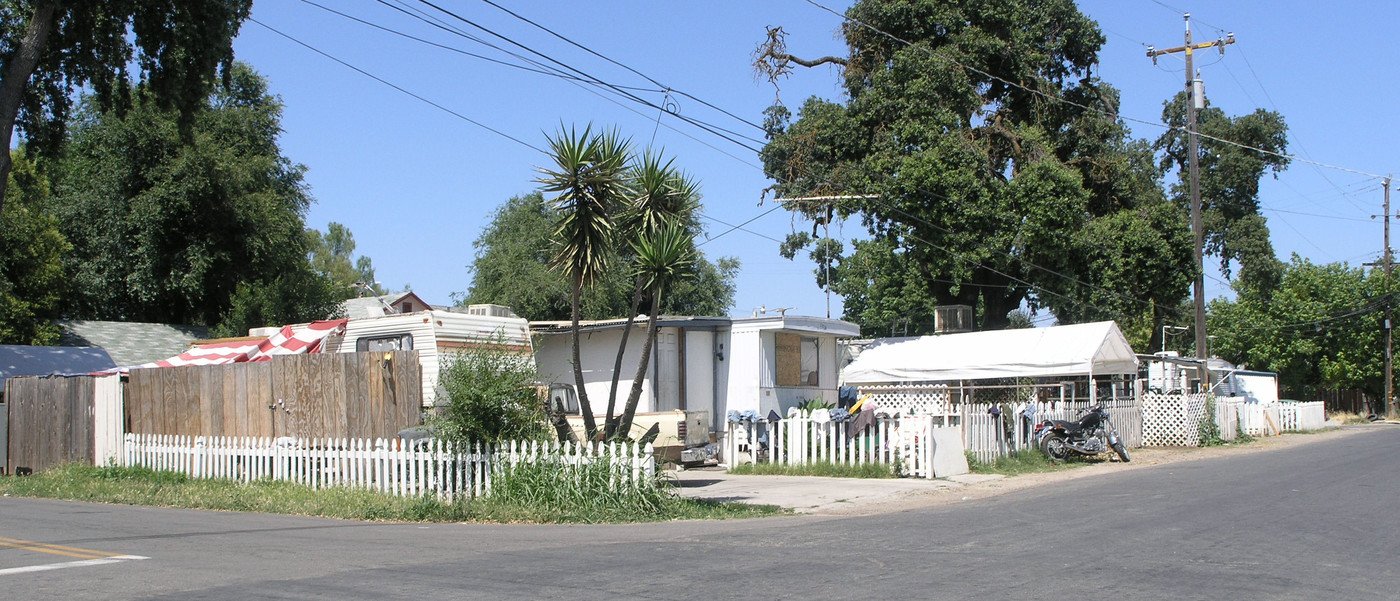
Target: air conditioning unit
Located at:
point(488, 310)
point(951, 319)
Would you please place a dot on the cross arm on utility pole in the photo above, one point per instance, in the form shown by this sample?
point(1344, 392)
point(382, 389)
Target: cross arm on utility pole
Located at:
point(1153, 53)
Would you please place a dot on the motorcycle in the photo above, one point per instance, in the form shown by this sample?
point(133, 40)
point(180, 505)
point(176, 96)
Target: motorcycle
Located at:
point(1092, 435)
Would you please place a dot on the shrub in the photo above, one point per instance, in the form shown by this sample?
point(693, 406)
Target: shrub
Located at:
point(488, 394)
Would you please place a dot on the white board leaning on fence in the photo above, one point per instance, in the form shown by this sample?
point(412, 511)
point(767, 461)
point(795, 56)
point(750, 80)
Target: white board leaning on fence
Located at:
point(1089, 349)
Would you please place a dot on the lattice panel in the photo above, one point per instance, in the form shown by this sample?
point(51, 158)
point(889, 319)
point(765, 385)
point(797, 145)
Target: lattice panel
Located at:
point(1172, 419)
point(926, 399)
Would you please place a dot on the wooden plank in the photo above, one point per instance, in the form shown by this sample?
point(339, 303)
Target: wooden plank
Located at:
point(788, 354)
point(335, 386)
point(375, 389)
point(171, 385)
point(86, 405)
point(211, 410)
point(410, 388)
point(261, 396)
point(136, 403)
point(357, 419)
point(284, 384)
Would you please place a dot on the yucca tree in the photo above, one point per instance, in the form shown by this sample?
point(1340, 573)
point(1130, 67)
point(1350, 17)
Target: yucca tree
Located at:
point(588, 179)
point(663, 257)
point(660, 195)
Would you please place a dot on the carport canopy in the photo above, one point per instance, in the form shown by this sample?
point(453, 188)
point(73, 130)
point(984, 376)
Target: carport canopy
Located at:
point(1090, 349)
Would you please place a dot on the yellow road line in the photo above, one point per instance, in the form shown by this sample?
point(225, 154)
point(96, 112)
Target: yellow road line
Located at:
point(53, 549)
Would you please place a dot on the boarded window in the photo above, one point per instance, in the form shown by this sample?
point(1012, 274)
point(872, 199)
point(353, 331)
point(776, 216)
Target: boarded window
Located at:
point(795, 360)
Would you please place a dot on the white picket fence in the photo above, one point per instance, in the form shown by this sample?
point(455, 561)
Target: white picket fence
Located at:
point(903, 441)
point(392, 466)
point(1303, 417)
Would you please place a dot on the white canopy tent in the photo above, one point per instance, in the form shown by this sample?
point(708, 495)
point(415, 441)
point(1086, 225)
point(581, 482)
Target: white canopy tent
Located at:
point(1090, 349)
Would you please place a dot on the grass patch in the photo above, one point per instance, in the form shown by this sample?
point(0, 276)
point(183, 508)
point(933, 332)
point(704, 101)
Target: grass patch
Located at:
point(1347, 418)
point(829, 470)
point(143, 486)
point(1025, 461)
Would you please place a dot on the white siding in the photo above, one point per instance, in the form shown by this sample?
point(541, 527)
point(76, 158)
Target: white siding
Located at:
point(598, 352)
point(436, 333)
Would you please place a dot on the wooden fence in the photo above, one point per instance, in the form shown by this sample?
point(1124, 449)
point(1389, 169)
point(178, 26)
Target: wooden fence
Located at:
point(1350, 401)
point(393, 466)
point(58, 420)
point(332, 395)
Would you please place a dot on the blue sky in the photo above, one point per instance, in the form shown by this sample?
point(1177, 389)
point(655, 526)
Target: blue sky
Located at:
point(417, 184)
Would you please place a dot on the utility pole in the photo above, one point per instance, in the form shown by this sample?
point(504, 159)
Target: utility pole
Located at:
point(1195, 93)
point(1387, 402)
point(1389, 365)
point(826, 262)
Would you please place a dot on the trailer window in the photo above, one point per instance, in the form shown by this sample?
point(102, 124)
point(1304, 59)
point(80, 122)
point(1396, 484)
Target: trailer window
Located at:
point(401, 342)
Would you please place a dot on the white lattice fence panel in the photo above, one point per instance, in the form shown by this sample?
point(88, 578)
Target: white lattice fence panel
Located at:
point(1172, 419)
point(919, 399)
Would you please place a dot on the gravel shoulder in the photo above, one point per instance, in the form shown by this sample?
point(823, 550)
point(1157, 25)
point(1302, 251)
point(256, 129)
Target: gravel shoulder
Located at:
point(846, 496)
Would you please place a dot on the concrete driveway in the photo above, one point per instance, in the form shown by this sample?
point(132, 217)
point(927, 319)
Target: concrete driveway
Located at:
point(808, 494)
point(867, 496)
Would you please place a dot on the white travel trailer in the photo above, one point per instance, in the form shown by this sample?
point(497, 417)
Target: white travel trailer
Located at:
point(434, 333)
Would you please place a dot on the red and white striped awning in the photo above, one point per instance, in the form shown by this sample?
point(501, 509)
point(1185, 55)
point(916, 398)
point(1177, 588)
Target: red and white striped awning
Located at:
point(285, 342)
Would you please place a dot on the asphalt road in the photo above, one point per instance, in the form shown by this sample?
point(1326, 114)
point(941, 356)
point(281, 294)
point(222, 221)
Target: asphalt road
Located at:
point(1302, 522)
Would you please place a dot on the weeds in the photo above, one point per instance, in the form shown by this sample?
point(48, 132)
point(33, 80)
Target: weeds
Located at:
point(826, 469)
point(527, 498)
point(1209, 431)
point(1024, 461)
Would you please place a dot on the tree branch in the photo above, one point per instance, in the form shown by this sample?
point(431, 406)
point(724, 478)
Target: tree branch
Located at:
point(16, 79)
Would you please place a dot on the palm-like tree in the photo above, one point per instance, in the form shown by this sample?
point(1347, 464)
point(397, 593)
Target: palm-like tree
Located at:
point(661, 195)
point(589, 183)
point(665, 256)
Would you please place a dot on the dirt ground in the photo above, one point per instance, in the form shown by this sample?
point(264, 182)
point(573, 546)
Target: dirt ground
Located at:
point(1141, 458)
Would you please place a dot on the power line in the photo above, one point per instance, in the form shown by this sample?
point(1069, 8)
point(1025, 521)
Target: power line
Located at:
point(400, 89)
point(639, 73)
point(713, 129)
point(586, 85)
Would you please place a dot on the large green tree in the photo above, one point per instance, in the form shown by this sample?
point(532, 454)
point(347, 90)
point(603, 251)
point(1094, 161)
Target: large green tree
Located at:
point(32, 282)
point(511, 267)
point(49, 48)
point(1235, 232)
point(1318, 328)
point(167, 227)
point(982, 158)
point(333, 256)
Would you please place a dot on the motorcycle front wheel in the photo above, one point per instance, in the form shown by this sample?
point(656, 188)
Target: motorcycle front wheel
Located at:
point(1121, 450)
point(1055, 447)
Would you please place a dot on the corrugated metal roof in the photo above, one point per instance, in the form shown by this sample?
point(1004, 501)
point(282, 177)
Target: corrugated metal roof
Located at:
point(665, 321)
point(47, 360)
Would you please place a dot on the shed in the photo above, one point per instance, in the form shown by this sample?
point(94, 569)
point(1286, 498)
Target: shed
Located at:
point(1082, 350)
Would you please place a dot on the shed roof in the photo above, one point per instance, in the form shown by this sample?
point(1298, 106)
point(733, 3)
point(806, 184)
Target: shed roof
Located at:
point(1059, 351)
point(131, 343)
point(49, 360)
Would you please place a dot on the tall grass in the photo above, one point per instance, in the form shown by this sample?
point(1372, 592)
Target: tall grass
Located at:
point(1024, 461)
point(528, 495)
point(826, 469)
